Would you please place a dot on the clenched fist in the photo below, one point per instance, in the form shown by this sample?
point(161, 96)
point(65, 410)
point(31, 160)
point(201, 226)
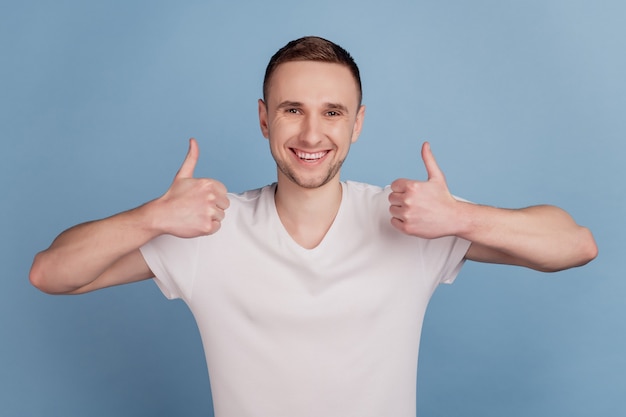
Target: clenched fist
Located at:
point(192, 207)
point(425, 208)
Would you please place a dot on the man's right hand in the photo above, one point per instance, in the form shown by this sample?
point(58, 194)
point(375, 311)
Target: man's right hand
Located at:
point(106, 252)
point(191, 207)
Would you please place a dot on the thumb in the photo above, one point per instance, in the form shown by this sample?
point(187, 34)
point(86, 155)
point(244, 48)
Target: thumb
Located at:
point(189, 164)
point(432, 169)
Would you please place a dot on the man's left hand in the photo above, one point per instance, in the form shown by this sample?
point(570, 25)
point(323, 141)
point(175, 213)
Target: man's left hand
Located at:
point(424, 208)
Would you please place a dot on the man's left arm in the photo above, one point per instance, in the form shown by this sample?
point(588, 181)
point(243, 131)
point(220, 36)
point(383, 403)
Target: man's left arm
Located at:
point(545, 238)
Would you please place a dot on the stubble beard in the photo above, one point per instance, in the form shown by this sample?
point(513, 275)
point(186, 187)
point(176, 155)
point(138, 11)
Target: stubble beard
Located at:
point(312, 183)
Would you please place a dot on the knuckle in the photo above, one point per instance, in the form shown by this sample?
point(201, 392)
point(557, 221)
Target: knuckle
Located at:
point(215, 226)
point(413, 186)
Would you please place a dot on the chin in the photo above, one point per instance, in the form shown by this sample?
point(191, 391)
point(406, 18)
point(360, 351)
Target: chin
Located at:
point(310, 182)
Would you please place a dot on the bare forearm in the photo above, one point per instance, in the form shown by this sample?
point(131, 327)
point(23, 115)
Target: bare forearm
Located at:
point(544, 238)
point(82, 253)
point(105, 252)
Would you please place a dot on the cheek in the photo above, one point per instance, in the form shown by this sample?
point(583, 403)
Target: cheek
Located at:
point(349, 132)
point(283, 128)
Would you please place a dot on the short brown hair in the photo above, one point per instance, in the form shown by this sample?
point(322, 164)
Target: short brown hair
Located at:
point(312, 48)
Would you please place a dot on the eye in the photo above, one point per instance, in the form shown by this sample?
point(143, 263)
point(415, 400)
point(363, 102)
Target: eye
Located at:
point(292, 111)
point(332, 113)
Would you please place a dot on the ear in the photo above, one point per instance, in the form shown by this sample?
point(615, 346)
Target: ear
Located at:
point(263, 119)
point(358, 124)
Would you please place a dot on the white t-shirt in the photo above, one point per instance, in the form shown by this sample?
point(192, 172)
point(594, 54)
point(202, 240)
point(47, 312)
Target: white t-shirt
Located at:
point(294, 332)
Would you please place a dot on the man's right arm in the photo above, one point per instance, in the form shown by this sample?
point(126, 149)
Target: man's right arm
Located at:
point(106, 252)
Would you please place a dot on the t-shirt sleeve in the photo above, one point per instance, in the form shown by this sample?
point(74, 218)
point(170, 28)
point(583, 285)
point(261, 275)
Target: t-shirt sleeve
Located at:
point(447, 256)
point(173, 261)
point(443, 257)
point(457, 249)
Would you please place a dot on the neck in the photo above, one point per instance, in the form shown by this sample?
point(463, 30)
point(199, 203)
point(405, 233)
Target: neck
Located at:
point(307, 214)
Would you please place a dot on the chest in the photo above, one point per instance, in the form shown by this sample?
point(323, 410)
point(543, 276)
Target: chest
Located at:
point(279, 285)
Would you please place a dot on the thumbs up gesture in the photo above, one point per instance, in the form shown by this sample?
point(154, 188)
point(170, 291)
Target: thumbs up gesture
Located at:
point(424, 208)
point(192, 207)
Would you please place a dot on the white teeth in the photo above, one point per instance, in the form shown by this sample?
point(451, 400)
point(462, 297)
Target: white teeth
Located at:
point(310, 156)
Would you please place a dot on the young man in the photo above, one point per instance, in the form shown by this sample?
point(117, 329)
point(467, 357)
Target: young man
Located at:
point(309, 293)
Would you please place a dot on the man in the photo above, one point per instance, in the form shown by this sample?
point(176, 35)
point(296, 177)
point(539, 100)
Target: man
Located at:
point(309, 293)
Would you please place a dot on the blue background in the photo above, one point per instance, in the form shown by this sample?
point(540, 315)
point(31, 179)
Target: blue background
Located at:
point(523, 102)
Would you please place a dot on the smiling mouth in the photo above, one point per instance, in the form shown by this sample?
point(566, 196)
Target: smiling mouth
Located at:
point(309, 156)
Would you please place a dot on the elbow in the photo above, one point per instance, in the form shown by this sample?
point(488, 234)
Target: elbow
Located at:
point(38, 275)
point(589, 248)
point(583, 250)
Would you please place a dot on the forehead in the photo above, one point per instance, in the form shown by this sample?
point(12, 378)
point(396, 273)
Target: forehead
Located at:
point(311, 81)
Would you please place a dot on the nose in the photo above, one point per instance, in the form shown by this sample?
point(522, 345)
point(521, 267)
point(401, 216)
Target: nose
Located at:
point(312, 130)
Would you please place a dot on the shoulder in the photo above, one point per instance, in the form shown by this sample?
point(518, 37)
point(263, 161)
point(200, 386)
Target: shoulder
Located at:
point(254, 194)
point(366, 195)
point(251, 198)
point(355, 189)
point(249, 208)
point(366, 201)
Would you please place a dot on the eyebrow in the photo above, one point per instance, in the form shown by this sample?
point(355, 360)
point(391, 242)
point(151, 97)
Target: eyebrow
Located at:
point(288, 104)
point(330, 106)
